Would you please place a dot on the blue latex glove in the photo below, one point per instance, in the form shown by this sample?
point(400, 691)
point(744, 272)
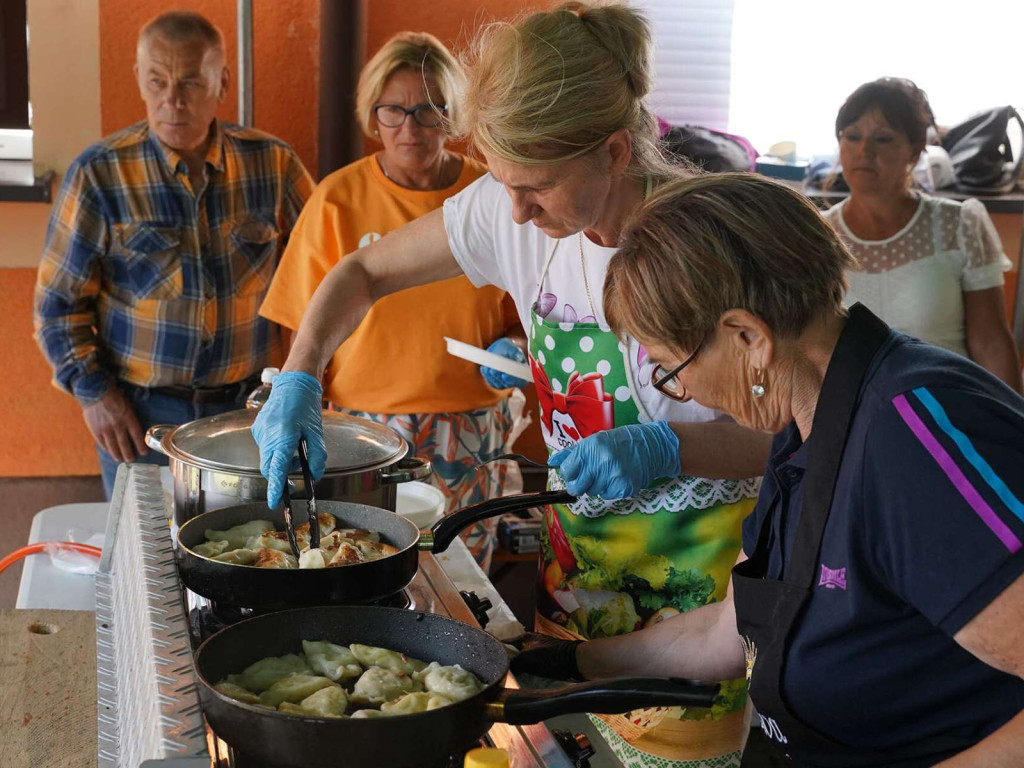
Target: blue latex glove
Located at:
point(619, 463)
point(294, 410)
point(506, 348)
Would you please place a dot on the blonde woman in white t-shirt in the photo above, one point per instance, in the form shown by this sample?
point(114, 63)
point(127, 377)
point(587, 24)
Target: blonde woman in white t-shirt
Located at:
point(930, 267)
point(557, 104)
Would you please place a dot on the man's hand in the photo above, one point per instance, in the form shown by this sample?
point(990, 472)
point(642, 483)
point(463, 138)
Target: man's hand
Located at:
point(115, 426)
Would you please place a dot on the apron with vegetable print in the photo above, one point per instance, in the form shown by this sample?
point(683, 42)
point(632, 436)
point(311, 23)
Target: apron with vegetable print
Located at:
point(608, 568)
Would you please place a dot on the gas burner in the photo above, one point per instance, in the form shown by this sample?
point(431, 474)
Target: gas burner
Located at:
point(140, 604)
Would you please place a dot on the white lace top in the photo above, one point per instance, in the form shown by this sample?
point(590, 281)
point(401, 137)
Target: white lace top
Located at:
point(915, 279)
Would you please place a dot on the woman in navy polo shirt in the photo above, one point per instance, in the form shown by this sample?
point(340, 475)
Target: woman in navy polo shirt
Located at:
point(878, 603)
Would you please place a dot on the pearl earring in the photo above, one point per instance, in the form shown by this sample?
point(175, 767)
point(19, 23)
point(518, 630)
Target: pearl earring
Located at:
point(757, 389)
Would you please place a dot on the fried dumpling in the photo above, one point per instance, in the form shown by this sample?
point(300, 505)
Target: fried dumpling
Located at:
point(376, 686)
point(210, 548)
point(327, 524)
point(236, 536)
point(293, 688)
point(259, 676)
point(237, 692)
point(371, 656)
point(358, 534)
point(272, 558)
point(362, 714)
point(334, 661)
point(238, 557)
point(330, 543)
point(375, 550)
point(327, 702)
point(314, 558)
point(454, 682)
point(293, 709)
point(410, 703)
point(347, 554)
point(276, 540)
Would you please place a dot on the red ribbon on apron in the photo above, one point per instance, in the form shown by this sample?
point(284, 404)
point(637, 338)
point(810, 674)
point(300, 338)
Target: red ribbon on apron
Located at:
point(585, 402)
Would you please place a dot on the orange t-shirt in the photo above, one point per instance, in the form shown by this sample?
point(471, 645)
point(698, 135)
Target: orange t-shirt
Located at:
point(396, 361)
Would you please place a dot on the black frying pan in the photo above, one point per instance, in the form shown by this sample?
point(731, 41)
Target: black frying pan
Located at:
point(407, 740)
point(252, 587)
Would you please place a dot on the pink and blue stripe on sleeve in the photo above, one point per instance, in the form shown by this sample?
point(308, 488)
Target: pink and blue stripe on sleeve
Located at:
point(987, 483)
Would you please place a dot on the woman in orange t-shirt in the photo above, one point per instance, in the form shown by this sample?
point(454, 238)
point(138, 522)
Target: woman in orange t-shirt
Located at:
point(395, 368)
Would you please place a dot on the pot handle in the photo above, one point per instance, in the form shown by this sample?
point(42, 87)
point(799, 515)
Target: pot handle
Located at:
point(615, 696)
point(155, 436)
point(411, 468)
point(447, 528)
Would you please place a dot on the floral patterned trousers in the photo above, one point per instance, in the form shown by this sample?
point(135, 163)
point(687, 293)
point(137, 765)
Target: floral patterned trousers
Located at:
point(455, 444)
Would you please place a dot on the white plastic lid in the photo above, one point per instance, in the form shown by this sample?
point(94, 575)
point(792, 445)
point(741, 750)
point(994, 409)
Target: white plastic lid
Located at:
point(268, 375)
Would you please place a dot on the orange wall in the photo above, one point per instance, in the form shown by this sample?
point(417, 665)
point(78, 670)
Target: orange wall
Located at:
point(41, 429)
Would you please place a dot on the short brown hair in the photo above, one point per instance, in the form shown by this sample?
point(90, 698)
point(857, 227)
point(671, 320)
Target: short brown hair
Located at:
point(904, 106)
point(182, 27)
point(704, 245)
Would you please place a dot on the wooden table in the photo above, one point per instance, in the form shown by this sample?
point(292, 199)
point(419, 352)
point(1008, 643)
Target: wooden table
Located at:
point(47, 689)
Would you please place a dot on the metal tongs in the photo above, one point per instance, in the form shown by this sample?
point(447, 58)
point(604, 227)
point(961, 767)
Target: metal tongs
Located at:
point(516, 457)
point(314, 521)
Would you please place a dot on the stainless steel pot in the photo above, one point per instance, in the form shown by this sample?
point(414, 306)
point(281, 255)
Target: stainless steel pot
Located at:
point(215, 463)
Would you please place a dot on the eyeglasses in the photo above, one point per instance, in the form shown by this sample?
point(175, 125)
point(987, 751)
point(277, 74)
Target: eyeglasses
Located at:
point(427, 115)
point(667, 382)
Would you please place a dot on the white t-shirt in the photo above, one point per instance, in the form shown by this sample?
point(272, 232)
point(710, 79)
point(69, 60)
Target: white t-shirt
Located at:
point(493, 250)
point(915, 280)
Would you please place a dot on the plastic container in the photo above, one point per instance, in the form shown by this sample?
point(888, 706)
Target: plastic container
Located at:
point(486, 757)
point(259, 396)
point(420, 503)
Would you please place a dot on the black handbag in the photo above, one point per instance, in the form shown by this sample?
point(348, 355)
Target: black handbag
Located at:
point(714, 151)
point(981, 152)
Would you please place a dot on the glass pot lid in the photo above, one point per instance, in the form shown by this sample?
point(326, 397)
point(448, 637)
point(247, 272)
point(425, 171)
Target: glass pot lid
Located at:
point(225, 442)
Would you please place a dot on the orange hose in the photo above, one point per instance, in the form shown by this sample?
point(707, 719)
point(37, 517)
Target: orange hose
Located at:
point(34, 549)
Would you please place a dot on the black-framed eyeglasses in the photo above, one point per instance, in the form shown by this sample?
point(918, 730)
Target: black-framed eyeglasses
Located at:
point(667, 382)
point(427, 115)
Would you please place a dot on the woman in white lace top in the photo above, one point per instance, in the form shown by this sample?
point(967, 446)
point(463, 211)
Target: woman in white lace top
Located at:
point(929, 266)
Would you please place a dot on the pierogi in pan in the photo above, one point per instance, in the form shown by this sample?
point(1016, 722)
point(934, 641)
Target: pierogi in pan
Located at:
point(358, 681)
point(256, 543)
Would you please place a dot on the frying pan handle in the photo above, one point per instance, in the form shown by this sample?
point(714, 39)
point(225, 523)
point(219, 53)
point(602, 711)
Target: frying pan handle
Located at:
point(447, 528)
point(410, 468)
point(609, 697)
point(155, 436)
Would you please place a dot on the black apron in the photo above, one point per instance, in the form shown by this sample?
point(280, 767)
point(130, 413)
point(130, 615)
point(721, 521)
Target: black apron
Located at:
point(766, 610)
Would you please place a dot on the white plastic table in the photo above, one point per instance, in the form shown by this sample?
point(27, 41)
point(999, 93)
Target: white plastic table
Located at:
point(43, 585)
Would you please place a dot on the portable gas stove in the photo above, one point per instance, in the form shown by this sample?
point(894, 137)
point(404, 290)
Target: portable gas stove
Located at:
point(147, 627)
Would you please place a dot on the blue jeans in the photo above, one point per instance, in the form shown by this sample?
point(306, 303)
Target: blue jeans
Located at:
point(152, 409)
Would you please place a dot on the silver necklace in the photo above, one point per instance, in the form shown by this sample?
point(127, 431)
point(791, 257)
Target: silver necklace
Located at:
point(586, 279)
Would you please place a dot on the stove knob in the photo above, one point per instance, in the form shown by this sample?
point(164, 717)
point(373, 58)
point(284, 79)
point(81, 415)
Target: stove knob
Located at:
point(477, 606)
point(577, 747)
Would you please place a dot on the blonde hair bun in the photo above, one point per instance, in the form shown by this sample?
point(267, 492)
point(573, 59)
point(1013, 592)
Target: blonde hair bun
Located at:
point(555, 84)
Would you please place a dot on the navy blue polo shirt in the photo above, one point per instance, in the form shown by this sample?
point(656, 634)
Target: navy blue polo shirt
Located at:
point(925, 530)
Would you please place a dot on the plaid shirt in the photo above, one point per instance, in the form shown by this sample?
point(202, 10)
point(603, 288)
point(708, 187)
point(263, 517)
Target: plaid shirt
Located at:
point(145, 280)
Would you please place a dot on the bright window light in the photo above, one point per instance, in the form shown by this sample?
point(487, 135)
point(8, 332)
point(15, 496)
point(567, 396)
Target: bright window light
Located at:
point(794, 62)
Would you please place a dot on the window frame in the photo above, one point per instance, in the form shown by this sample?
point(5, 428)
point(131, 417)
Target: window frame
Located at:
point(14, 105)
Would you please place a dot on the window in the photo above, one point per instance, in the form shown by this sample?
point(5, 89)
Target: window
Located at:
point(779, 70)
point(692, 39)
point(14, 60)
point(795, 61)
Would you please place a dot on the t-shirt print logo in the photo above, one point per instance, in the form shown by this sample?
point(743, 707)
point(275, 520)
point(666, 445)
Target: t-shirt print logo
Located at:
point(830, 579)
point(369, 237)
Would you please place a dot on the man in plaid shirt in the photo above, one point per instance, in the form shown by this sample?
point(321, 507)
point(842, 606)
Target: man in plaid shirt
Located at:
point(160, 248)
